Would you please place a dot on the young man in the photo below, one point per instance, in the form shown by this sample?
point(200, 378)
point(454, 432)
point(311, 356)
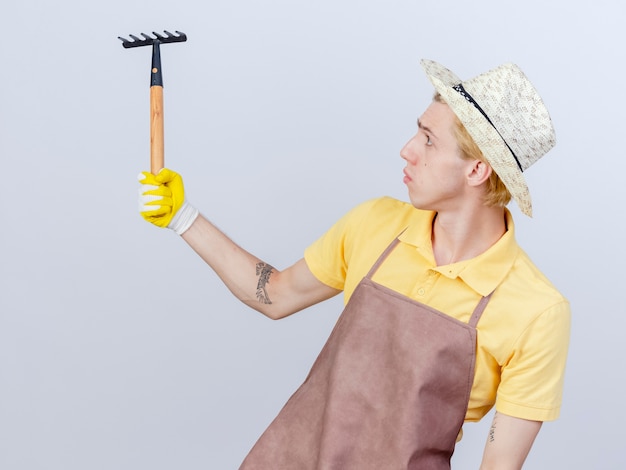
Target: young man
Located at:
point(445, 314)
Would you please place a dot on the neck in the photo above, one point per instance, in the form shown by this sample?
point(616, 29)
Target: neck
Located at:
point(461, 236)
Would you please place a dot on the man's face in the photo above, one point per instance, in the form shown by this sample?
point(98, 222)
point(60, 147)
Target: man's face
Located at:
point(435, 172)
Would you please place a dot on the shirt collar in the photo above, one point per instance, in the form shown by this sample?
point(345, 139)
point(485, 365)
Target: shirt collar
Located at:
point(482, 273)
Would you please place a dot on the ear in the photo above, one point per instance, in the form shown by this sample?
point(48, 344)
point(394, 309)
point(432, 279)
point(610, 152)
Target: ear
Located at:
point(478, 172)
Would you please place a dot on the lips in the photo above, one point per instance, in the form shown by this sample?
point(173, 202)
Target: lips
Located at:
point(407, 178)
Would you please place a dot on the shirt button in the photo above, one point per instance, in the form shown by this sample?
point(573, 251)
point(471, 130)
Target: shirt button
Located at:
point(421, 291)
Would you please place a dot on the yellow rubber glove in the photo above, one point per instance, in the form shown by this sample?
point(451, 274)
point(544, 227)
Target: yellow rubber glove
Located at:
point(162, 201)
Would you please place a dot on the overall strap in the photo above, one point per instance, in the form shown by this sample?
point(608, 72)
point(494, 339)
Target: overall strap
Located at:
point(478, 311)
point(383, 256)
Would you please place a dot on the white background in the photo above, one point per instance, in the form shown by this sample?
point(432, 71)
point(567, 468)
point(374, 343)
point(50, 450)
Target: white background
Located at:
point(120, 350)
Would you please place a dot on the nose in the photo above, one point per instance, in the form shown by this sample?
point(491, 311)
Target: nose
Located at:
point(407, 153)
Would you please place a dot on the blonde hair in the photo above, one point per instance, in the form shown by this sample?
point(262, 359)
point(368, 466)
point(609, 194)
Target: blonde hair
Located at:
point(497, 194)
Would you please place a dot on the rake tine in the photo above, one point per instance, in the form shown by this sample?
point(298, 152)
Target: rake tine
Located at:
point(170, 35)
point(179, 37)
point(133, 42)
point(182, 37)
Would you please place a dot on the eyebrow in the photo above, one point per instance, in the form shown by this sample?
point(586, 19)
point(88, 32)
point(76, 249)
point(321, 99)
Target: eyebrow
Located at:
point(424, 128)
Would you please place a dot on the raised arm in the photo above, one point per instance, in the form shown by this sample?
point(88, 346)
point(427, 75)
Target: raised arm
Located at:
point(509, 442)
point(274, 293)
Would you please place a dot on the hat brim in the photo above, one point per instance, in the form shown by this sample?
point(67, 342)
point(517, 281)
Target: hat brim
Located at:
point(489, 141)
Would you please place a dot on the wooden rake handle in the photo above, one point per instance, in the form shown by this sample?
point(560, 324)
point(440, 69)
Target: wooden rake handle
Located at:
point(157, 141)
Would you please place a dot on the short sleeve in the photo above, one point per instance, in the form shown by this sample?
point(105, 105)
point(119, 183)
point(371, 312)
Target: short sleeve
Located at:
point(328, 257)
point(532, 379)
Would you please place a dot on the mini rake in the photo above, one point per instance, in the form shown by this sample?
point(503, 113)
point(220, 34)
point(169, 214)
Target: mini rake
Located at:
point(157, 147)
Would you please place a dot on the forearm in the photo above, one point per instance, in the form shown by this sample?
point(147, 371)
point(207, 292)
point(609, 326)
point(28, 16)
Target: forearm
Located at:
point(235, 266)
point(274, 293)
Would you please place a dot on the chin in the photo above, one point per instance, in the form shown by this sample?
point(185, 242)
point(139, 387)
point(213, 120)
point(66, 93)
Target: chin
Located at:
point(419, 205)
point(415, 202)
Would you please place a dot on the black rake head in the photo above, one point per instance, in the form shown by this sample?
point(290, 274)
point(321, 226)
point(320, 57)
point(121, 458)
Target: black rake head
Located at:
point(149, 40)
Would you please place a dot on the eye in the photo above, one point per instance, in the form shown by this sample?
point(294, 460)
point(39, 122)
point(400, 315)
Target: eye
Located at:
point(428, 141)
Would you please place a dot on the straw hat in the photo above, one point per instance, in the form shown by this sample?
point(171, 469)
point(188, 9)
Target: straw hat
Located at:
point(505, 116)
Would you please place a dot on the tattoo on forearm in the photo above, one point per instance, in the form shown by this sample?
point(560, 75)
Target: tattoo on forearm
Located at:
point(492, 429)
point(264, 271)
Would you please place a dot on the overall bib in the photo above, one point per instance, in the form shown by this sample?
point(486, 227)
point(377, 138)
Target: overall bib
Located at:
point(389, 390)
